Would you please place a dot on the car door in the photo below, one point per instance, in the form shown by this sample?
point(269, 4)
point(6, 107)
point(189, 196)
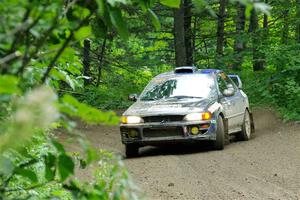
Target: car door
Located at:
point(232, 104)
point(240, 107)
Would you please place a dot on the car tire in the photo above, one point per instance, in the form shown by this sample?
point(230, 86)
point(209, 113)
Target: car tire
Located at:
point(220, 135)
point(131, 150)
point(245, 134)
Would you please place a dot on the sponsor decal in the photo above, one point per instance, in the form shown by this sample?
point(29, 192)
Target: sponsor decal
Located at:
point(164, 107)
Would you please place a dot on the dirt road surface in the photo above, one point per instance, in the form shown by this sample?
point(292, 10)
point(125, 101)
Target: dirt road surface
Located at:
point(266, 167)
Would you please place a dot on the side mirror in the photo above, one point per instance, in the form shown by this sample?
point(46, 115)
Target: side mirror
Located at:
point(133, 97)
point(237, 80)
point(230, 86)
point(228, 92)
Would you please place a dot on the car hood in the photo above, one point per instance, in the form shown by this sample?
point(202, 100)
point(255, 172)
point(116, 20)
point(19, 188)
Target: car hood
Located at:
point(163, 107)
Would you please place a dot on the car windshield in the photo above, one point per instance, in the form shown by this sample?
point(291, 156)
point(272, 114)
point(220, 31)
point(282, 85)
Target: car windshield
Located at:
point(187, 86)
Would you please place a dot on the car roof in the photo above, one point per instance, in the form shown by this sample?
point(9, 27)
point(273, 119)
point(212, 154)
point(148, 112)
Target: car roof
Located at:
point(188, 70)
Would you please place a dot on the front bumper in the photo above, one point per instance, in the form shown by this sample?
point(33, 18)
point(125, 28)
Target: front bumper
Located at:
point(170, 132)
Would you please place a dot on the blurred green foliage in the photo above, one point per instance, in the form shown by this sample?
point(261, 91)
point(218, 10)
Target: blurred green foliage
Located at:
point(39, 42)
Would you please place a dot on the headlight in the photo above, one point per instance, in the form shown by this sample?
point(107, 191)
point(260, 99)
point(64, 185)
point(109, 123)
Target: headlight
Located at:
point(198, 116)
point(131, 120)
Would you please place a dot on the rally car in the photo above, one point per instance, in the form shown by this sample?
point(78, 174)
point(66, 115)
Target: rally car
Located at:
point(187, 105)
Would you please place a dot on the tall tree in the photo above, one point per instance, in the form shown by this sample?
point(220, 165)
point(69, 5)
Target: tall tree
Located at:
point(100, 58)
point(298, 21)
point(188, 31)
point(86, 60)
point(258, 61)
point(285, 26)
point(183, 34)
point(265, 36)
point(179, 36)
point(220, 29)
point(239, 43)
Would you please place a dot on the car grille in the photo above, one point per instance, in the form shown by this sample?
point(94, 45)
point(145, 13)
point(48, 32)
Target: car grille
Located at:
point(163, 132)
point(168, 118)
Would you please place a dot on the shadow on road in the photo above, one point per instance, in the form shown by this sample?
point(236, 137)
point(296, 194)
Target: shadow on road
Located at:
point(176, 149)
point(181, 148)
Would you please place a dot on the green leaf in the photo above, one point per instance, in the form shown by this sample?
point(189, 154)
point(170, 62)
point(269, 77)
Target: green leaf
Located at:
point(80, 12)
point(26, 173)
point(101, 7)
point(92, 155)
point(59, 147)
point(114, 2)
point(69, 105)
point(65, 166)
point(6, 166)
point(64, 76)
point(89, 114)
point(118, 22)
point(70, 82)
point(154, 19)
point(82, 163)
point(249, 8)
point(9, 84)
point(83, 33)
point(171, 3)
point(74, 69)
point(50, 167)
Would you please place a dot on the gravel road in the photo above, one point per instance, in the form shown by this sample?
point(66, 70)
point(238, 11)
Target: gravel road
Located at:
point(266, 167)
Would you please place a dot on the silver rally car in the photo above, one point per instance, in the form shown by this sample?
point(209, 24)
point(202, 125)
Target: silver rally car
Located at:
point(187, 104)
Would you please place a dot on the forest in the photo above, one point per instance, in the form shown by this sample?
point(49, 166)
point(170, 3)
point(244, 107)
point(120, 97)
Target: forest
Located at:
point(78, 60)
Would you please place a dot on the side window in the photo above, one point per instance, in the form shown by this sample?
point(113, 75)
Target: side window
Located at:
point(225, 82)
point(221, 83)
point(229, 82)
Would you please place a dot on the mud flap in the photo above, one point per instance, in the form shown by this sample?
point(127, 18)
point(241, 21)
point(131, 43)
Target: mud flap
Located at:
point(252, 123)
point(226, 131)
point(225, 125)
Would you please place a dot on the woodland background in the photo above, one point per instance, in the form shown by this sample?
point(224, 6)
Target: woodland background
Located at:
point(61, 60)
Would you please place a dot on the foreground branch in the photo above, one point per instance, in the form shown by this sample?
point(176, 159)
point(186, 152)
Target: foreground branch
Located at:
point(61, 50)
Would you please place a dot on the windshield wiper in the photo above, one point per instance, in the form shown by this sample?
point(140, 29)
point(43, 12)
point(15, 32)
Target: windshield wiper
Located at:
point(184, 97)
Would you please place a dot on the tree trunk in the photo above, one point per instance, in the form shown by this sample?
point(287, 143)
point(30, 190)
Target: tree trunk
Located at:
point(258, 61)
point(195, 29)
point(285, 27)
point(86, 61)
point(188, 32)
point(239, 44)
point(179, 36)
point(298, 21)
point(266, 22)
point(220, 29)
point(265, 36)
point(100, 59)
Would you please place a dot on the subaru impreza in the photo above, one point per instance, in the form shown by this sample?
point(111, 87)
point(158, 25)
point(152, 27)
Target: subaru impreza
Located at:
point(187, 105)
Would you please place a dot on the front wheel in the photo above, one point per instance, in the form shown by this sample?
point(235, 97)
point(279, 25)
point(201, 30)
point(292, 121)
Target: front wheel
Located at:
point(245, 134)
point(131, 150)
point(220, 135)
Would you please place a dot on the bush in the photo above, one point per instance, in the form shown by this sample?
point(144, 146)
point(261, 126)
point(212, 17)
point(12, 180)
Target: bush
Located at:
point(33, 165)
point(271, 88)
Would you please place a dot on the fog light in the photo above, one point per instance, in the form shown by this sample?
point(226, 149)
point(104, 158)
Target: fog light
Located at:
point(195, 130)
point(133, 133)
